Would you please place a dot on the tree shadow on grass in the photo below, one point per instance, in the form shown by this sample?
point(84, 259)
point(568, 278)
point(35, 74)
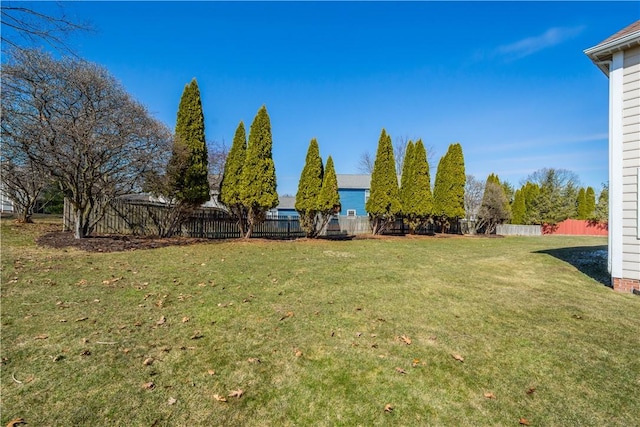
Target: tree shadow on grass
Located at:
point(590, 260)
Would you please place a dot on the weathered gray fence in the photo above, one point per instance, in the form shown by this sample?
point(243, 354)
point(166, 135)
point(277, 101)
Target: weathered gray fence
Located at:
point(145, 219)
point(518, 230)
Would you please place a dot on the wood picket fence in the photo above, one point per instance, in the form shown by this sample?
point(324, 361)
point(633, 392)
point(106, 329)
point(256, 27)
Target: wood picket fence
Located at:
point(144, 218)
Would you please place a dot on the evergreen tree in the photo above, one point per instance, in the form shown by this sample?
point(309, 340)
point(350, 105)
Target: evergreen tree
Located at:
point(258, 182)
point(406, 181)
point(329, 198)
point(590, 202)
point(495, 207)
point(602, 207)
point(188, 168)
point(231, 185)
point(309, 187)
point(518, 208)
point(531, 192)
point(417, 202)
point(448, 190)
point(581, 205)
point(384, 197)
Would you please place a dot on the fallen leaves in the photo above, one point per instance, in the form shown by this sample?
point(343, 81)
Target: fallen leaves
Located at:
point(41, 337)
point(196, 335)
point(524, 422)
point(404, 339)
point(531, 390)
point(388, 408)
point(287, 315)
point(81, 319)
point(185, 319)
point(236, 393)
point(219, 398)
point(161, 321)
point(298, 353)
point(148, 361)
point(401, 371)
point(148, 386)
point(211, 372)
point(489, 395)
point(253, 360)
point(458, 357)
point(172, 401)
point(16, 422)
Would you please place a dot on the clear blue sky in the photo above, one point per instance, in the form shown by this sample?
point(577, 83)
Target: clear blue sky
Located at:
point(507, 80)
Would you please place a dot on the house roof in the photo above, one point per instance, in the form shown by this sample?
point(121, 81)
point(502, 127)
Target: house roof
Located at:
point(347, 181)
point(286, 202)
point(627, 38)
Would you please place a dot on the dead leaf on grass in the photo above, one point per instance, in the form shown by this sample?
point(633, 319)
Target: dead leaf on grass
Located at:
point(298, 353)
point(148, 361)
point(524, 422)
point(253, 360)
point(16, 422)
point(288, 314)
point(196, 335)
point(458, 357)
point(81, 319)
point(172, 401)
point(531, 390)
point(401, 371)
point(161, 321)
point(86, 353)
point(236, 393)
point(489, 395)
point(388, 407)
point(41, 337)
point(149, 386)
point(405, 339)
point(185, 319)
point(219, 398)
point(211, 372)
point(415, 362)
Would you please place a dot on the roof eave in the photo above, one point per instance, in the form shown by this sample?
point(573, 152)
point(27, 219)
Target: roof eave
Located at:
point(601, 54)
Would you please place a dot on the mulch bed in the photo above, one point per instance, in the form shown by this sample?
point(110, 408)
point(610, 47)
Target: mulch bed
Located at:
point(111, 243)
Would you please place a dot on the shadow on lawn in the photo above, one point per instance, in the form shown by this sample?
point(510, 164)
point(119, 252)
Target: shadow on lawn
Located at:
point(590, 260)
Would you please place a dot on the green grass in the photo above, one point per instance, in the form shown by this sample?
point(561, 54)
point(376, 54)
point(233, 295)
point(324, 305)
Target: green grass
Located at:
point(520, 315)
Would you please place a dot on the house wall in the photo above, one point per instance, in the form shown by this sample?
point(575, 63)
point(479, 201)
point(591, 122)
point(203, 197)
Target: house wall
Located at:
point(630, 166)
point(352, 199)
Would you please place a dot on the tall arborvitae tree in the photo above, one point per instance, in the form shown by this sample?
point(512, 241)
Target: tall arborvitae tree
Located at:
point(384, 198)
point(581, 205)
point(448, 190)
point(601, 213)
point(518, 208)
point(590, 199)
point(531, 194)
point(231, 185)
point(406, 181)
point(417, 204)
point(329, 198)
point(309, 188)
point(189, 162)
point(495, 207)
point(258, 180)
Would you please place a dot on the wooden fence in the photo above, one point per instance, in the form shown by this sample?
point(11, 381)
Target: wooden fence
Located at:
point(147, 219)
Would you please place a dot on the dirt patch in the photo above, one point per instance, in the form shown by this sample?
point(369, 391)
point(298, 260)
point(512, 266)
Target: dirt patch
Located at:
point(111, 243)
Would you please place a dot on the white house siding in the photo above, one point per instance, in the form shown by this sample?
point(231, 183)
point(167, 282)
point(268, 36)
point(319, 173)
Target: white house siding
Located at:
point(630, 163)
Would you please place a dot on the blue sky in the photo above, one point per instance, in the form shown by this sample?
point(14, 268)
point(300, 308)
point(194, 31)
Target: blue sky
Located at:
point(507, 80)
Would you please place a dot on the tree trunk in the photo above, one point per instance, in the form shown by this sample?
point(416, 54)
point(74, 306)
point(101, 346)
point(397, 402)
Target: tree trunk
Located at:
point(79, 229)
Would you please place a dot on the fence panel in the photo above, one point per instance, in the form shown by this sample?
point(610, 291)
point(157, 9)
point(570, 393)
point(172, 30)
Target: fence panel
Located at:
point(518, 230)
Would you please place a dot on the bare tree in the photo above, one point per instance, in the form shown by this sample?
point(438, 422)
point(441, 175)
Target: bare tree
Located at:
point(73, 119)
point(23, 26)
point(473, 191)
point(22, 182)
point(218, 152)
point(365, 164)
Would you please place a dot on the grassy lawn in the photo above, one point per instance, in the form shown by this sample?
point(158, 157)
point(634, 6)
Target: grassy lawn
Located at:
point(446, 331)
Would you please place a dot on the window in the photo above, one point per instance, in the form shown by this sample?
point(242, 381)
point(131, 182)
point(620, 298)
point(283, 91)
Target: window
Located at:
point(351, 212)
point(366, 196)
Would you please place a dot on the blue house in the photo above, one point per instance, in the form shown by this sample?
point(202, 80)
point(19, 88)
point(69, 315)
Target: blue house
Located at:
point(354, 193)
point(286, 208)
